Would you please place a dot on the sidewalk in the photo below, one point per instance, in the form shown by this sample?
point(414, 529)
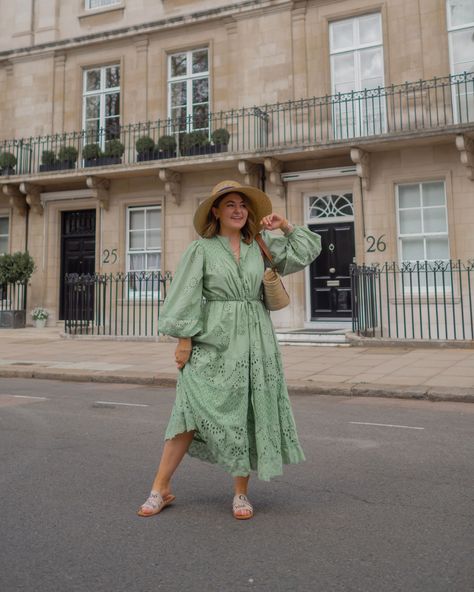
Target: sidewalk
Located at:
point(404, 372)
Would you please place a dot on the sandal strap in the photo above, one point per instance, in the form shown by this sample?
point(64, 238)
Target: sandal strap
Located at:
point(241, 502)
point(154, 501)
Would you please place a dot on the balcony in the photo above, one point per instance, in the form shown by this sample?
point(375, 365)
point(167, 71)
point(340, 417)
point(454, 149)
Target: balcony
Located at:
point(426, 109)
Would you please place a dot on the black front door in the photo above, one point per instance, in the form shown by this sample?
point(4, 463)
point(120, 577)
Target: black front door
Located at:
point(330, 279)
point(77, 253)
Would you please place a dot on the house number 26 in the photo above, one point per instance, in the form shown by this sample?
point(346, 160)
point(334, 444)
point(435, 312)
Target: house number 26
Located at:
point(376, 244)
point(109, 256)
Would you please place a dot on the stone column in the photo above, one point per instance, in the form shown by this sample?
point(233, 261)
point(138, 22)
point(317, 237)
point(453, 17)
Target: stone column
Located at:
point(46, 16)
point(298, 32)
point(140, 82)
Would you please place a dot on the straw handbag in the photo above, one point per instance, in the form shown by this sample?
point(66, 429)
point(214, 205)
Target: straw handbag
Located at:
point(275, 295)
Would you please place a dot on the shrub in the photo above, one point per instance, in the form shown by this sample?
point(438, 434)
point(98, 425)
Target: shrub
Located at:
point(48, 157)
point(114, 148)
point(194, 140)
point(18, 267)
point(68, 154)
point(167, 143)
point(7, 160)
point(220, 136)
point(145, 145)
point(91, 151)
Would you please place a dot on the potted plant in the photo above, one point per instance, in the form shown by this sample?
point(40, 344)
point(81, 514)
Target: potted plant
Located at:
point(15, 271)
point(113, 152)
point(49, 161)
point(7, 163)
point(193, 143)
point(167, 147)
point(220, 139)
point(40, 316)
point(145, 147)
point(91, 153)
point(67, 157)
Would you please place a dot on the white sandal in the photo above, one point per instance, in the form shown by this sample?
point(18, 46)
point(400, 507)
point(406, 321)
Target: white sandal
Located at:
point(155, 503)
point(241, 502)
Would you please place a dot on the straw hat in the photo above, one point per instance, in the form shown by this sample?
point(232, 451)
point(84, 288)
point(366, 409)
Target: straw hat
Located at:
point(260, 202)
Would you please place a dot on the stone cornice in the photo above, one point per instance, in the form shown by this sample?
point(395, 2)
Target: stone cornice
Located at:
point(236, 10)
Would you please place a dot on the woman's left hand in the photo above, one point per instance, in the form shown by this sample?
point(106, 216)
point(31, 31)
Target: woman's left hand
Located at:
point(274, 221)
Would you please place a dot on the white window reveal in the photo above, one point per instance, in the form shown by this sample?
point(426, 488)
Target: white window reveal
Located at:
point(188, 90)
point(144, 239)
point(461, 49)
point(4, 228)
point(101, 104)
point(357, 72)
point(96, 4)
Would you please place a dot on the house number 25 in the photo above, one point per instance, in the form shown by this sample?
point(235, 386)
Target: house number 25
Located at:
point(109, 256)
point(376, 244)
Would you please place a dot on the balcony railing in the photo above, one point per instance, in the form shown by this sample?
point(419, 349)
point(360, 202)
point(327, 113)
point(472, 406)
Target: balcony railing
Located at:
point(411, 107)
point(431, 300)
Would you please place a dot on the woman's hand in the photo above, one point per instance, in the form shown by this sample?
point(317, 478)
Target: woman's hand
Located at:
point(183, 352)
point(274, 221)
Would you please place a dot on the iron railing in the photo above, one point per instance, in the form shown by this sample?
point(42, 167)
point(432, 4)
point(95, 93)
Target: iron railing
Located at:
point(431, 300)
point(13, 296)
point(126, 304)
point(410, 107)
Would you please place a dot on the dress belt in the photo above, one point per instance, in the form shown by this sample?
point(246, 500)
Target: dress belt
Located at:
point(233, 300)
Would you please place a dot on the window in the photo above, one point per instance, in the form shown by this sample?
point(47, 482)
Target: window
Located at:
point(335, 205)
point(144, 239)
point(4, 223)
point(461, 49)
point(356, 72)
point(94, 4)
point(423, 226)
point(188, 90)
point(101, 104)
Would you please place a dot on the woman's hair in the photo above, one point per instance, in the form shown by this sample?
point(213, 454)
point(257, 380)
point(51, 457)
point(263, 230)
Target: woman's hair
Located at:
point(212, 226)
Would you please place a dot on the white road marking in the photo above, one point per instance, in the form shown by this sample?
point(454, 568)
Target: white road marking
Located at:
point(124, 404)
point(386, 425)
point(29, 397)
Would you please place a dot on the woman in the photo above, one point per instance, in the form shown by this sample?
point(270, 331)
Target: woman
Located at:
point(232, 405)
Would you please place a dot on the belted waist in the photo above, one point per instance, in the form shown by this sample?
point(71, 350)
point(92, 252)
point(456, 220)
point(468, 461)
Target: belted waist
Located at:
point(233, 299)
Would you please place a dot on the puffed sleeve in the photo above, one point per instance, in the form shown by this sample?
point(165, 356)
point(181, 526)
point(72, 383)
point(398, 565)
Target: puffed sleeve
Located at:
point(180, 315)
point(294, 251)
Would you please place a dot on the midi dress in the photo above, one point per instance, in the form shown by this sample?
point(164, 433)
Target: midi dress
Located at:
point(232, 391)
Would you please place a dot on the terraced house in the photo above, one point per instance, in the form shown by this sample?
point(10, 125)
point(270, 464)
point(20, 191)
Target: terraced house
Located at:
point(356, 117)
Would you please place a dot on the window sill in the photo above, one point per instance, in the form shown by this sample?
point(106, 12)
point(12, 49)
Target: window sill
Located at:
point(86, 15)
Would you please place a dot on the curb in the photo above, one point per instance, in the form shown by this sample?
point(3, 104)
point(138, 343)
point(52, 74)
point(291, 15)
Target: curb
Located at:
point(421, 393)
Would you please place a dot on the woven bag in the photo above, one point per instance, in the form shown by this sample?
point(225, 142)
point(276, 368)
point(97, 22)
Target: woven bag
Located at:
point(275, 295)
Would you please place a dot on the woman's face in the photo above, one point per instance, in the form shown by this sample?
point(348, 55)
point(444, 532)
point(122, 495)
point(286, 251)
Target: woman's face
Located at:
point(231, 212)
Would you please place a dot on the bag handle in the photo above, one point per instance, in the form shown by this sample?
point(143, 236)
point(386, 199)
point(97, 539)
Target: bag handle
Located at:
point(263, 248)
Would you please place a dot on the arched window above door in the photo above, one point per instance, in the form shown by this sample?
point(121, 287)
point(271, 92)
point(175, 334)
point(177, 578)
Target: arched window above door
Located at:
point(333, 205)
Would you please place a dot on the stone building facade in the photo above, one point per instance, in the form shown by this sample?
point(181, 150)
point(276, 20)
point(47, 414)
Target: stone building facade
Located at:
point(355, 116)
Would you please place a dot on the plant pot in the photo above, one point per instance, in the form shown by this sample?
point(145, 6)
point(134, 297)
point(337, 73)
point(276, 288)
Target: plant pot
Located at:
point(6, 171)
point(220, 147)
point(57, 166)
point(102, 161)
point(12, 319)
point(150, 155)
point(40, 323)
point(198, 150)
point(166, 154)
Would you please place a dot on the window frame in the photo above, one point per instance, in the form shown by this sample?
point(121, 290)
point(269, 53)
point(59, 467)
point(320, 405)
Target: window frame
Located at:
point(145, 208)
point(423, 235)
point(109, 4)
point(102, 93)
point(355, 49)
point(7, 235)
point(188, 78)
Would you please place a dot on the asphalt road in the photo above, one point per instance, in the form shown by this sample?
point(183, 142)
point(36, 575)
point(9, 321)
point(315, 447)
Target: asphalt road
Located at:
point(376, 508)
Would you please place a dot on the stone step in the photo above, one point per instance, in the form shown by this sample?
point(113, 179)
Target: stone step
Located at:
point(309, 337)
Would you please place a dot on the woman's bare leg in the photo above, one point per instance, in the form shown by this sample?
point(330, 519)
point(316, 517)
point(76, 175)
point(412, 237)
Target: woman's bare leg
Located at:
point(173, 453)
